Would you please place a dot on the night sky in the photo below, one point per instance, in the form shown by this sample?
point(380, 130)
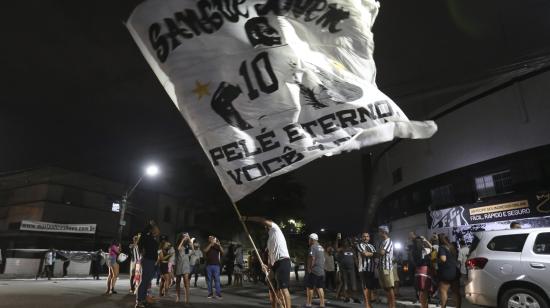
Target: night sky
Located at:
point(77, 93)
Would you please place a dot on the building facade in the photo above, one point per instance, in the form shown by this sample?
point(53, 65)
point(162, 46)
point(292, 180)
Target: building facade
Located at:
point(492, 146)
point(56, 195)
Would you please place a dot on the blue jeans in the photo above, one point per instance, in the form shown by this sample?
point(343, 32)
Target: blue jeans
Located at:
point(147, 271)
point(213, 271)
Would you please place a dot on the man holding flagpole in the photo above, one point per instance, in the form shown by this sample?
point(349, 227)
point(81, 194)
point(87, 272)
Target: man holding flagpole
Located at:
point(279, 261)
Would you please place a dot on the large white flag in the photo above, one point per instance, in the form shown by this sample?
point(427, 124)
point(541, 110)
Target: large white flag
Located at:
point(270, 85)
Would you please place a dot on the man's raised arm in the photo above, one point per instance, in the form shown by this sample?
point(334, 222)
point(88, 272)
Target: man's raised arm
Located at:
point(264, 221)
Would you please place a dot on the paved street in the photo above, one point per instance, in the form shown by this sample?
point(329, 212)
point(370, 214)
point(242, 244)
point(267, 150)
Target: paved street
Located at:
point(87, 293)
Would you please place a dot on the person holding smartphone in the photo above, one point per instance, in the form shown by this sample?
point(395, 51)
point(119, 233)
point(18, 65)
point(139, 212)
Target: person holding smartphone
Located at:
point(114, 251)
point(184, 251)
point(213, 253)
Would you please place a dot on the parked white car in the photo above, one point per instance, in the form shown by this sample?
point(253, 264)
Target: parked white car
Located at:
point(510, 268)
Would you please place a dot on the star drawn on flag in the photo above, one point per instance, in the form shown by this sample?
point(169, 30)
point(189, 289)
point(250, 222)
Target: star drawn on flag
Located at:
point(338, 65)
point(201, 89)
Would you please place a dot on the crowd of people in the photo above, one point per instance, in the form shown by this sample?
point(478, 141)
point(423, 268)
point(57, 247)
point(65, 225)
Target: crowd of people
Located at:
point(354, 268)
point(173, 264)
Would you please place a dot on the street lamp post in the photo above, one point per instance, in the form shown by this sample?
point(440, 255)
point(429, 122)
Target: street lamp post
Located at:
point(151, 171)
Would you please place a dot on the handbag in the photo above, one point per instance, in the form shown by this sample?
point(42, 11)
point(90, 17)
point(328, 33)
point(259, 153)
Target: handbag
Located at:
point(122, 257)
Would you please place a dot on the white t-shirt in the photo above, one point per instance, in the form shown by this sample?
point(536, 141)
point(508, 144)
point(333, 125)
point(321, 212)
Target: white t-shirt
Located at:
point(462, 257)
point(276, 244)
point(50, 258)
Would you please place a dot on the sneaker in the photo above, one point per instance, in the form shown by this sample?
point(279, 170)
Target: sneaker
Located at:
point(140, 305)
point(347, 300)
point(113, 292)
point(219, 296)
point(210, 296)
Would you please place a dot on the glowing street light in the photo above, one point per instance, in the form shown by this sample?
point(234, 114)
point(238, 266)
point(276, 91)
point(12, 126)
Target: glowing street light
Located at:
point(150, 171)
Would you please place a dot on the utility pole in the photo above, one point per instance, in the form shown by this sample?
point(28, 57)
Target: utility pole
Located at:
point(150, 171)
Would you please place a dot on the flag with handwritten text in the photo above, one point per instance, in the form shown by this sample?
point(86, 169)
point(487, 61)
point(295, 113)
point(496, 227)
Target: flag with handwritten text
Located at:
point(270, 85)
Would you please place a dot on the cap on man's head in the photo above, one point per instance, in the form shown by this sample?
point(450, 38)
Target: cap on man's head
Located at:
point(314, 236)
point(384, 229)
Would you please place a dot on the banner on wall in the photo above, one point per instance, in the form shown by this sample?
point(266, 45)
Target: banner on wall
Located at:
point(267, 85)
point(41, 226)
point(461, 222)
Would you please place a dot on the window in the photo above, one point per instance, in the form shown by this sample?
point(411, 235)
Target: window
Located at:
point(397, 175)
point(542, 244)
point(167, 214)
point(442, 195)
point(509, 243)
point(494, 184)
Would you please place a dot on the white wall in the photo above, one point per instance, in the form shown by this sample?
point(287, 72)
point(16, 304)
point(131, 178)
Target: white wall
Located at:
point(21, 266)
point(79, 269)
point(513, 119)
point(58, 268)
point(400, 228)
point(29, 267)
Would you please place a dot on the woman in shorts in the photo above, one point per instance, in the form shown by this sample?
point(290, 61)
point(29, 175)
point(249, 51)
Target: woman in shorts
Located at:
point(114, 251)
point(447, 271)
point(184, 250)
point(421, 251)
point(163, 259)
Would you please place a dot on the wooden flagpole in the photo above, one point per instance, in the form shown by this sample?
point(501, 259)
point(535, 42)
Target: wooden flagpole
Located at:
point(280, 301)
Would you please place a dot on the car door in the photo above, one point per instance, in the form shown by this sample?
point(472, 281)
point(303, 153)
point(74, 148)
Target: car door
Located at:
point(536, 259)
point(505, 255)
